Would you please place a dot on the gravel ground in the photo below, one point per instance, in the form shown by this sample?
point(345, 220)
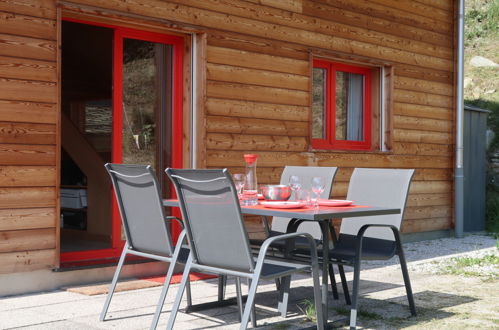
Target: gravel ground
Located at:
point(423, 255)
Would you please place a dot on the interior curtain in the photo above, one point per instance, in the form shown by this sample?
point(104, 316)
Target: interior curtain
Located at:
point(355, 125)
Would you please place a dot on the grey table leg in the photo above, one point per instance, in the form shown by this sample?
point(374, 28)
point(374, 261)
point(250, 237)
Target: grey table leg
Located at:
point(325, 268)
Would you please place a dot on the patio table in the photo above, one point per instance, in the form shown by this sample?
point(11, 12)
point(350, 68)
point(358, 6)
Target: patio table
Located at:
point(322, 215)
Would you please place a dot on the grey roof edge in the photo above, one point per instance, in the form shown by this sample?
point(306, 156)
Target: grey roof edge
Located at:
point(473, 108)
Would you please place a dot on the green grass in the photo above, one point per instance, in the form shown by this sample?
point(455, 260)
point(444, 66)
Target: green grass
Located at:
point(308, 308)
point(461, 265)
point(481, 19)
point(361, 313)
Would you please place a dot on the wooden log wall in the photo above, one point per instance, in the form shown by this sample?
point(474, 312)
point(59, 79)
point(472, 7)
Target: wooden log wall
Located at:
point(28, 139)
point(257, 93)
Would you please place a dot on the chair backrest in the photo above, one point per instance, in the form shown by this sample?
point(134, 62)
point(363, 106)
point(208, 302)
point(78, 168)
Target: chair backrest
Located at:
point(306, 173)
point(378, 187)
point(141, 208)
point(212, 217)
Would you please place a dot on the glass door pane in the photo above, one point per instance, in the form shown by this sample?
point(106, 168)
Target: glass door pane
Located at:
point(146, 102)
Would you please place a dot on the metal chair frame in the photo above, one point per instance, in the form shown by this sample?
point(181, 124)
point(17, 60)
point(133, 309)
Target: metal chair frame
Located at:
point(245, 267)
point(172, 255)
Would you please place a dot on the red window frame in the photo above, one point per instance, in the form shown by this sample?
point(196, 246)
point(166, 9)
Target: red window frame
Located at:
point(330, 141)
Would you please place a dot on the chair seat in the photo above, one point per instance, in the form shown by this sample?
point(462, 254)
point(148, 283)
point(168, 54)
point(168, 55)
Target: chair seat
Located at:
point(372, 248)
point(299, 242)
point(277, 268)
point(344, 250)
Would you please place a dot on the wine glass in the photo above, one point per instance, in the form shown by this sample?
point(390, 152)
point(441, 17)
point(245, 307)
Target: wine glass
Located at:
point(239, 180)
point(318, 187)
point(295, 185)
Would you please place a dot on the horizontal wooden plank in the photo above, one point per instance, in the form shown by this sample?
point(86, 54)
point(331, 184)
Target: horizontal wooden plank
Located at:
point(405, 96)
point(256, 93)
point(28, 26)
point(395, 15)
point(23, 197)
point(37, 8)
point(340, 189)
point(421, 85)
point(404, 148)
point(406, 135)
point(27, 176)
point(19, 154)
point(414, 200)
point(19, 111)
point(291, 5)
point(422, 225)
point(27, 240)
point(21, 68)
point(421, 174)
point(33, 218)
point(210, 19)
point(237, 108)
point(17, 46)
point(423, 111)
point(228, 39)
point(241, 58)
point(217, 158)
point(418, 8)
point(366, 21)
point(11, 89)
point(431, 187)
point(218, 141)
point(316, 24)
point(426, 212)
point(442, 4)
point(343, 174)
point(24, 261)
point(219, 124)
point(430, 174)
point(428, 74)
point(233, 74)
point(27, 133)
point(423, 124)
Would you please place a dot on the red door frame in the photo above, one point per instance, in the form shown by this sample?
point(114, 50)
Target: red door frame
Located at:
point(177, 119)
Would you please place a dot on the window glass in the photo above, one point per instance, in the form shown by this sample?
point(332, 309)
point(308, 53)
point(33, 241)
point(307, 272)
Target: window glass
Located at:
point(319, 104)
point(349, 121)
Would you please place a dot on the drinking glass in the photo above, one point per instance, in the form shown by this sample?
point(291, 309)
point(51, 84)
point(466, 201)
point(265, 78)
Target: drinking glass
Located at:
point(295, 185)
point(318, 187)
point(239, 180)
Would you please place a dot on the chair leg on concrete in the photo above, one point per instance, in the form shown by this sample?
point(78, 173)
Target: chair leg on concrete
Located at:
point(239, 296)
point(344, 285)
point(112, 287)
point(284, 295)
point(333, 282)
point(355, 293)
point(180, 293)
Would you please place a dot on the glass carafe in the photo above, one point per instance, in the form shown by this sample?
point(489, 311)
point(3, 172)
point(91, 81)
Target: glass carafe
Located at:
point(250, 190)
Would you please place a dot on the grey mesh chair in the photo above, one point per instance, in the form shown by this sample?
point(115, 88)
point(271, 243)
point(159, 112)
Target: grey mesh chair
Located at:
point(147, 229)
point(306, 173)
point(219, 242)
point(279, 224)
point(373, 237)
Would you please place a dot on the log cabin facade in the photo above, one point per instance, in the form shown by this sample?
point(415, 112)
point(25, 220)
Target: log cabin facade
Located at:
point(241, 80)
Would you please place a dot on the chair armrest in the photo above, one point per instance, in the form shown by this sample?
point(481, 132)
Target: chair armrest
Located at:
point(362, 230)
point(266, 244)
point(170, 218)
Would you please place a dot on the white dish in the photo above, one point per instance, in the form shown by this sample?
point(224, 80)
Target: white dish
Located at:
point(334, 202)
point(282, 205)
